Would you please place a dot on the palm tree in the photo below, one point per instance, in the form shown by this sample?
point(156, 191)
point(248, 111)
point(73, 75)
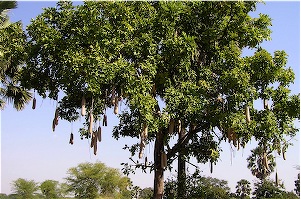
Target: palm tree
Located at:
point(243, 189)
point(261, 162)
point(297, 182)
point(12, 43)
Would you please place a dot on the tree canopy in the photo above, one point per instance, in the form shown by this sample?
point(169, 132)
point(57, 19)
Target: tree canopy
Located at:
point(176, 66)
point(50, 189)
point(267, 189)
point(25, 189)
point(89, 180)
point(243, 189)
point(261, 162)
point(297, 185)
point(12, 55)
point(199, 186)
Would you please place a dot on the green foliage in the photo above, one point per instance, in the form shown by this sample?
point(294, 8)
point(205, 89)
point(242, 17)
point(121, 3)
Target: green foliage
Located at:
point(4, 7)
point(3, 196)
point(243, 189)
point(89, 180)
point(63, 190)
point(297, 185)
point(24, 189)
point(256, 162)
point(290, 195)
point(13, 196)
point(146, 193)
point(198, 186)
point(12, 55)
point(50, 189)
point(187, 55)
point(267, 189)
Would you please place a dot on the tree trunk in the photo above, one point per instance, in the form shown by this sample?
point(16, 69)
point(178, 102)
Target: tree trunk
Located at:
point(181, 170)
point(159, 171)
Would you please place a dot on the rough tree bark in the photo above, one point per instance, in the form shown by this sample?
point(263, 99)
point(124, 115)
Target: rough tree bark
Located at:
point(181, 169)
point(159, 171)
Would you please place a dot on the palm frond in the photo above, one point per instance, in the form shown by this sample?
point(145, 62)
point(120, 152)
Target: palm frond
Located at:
point(2, 104)
point(4, 5)
point(18, 96)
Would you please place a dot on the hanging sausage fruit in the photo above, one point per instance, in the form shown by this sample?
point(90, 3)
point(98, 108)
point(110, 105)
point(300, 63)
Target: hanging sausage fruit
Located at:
point(71, 139)
point(265, 161)
point(95, 142)
point(145, 162)
point(143, 137)
point(145, 131)
point(276, 179)
point(53, 125)
point(91, 122)
point(231, 135)
point(34, 101)
point(266, 104)
point(247, 113)
point(92, 141)
point(55, 120)
point(83, 110)
point(116, 105)
point(113, 96)
point(234, 141)
point(283, 154)
point(91, 119)
point(105, 121)
point(99, 134)
point(56, 116)
point(142, 145)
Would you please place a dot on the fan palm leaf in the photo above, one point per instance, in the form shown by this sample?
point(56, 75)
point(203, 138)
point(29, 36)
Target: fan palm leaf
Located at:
point(12, 41)
point(256, 163)
point(17, 95)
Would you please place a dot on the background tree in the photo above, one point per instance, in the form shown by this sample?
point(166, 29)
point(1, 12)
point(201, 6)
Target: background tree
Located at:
point(146, 193)
point(136, 191)
point(198, 186)
point(267, 189)
point(297, 183)
point(12, 55)
point(243, 189)
point(89, 180)
point(25, 189)
point(3, 196)
point(13, 196)
point(177, 66)
point(261, 162)
point(63, 190)
point(50, 189)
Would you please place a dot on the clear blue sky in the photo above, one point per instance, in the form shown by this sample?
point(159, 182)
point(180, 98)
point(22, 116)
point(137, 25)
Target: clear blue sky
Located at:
point(30, 150)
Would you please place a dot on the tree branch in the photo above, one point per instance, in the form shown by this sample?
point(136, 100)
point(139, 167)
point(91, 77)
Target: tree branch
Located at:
point(183, 141)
